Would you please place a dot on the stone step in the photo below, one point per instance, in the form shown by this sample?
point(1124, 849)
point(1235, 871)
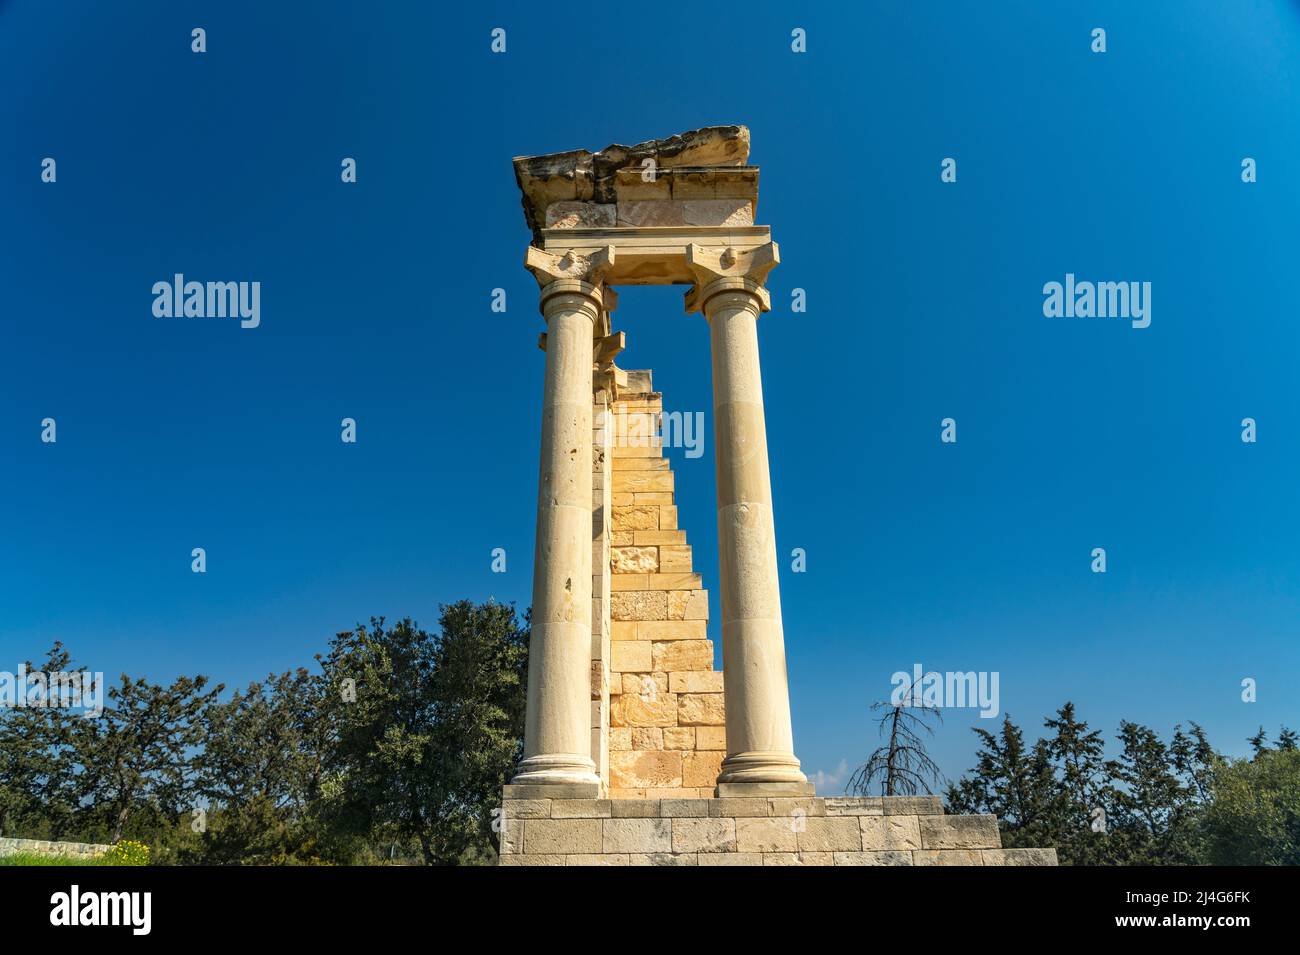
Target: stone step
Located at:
point(960, 832)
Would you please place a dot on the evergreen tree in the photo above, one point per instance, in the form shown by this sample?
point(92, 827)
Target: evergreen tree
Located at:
point(1154, 810)
point(1083, 802)
point(1011, 782)
point(141, 754)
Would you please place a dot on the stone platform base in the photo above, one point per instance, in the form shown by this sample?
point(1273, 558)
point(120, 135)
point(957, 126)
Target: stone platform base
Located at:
point(894, 830)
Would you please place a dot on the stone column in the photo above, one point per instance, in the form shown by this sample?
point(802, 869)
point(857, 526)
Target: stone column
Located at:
point(760, 744)
point(557, 734)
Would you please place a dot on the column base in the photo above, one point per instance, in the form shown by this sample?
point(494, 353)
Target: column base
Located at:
point(556, 769)
point(734, 790)
point(762, 767)
point(551, 791)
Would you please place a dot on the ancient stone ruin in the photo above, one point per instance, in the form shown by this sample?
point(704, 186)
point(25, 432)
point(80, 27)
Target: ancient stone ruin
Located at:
point(631, 755)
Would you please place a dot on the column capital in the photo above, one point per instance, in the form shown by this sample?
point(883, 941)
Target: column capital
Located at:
point(729, 270)
point(571, 295)
point(548, 267)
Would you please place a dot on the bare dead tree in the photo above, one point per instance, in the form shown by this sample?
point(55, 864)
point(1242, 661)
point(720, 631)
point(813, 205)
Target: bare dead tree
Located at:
point(902, 766)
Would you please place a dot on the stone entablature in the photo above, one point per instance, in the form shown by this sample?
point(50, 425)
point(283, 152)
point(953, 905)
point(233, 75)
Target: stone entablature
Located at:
point(705, 167)
point(752, 831)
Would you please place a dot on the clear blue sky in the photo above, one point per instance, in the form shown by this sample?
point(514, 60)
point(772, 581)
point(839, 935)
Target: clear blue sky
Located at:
point(924, 301)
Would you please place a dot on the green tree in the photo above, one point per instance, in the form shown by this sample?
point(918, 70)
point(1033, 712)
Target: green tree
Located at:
point(141, 754)
point(1084, 802)
point(1254, 817)
point(479, 694)
point(260, 771)
point(39, 785)
point(428, 727)
point(1014, 783)
point(1154, 810)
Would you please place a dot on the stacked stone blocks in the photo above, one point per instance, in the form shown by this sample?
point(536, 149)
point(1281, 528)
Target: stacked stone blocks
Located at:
point(667, 735)
point(756, 831)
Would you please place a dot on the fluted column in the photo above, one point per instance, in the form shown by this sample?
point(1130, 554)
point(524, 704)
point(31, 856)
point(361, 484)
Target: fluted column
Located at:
point(557, 732)
point(760, 743)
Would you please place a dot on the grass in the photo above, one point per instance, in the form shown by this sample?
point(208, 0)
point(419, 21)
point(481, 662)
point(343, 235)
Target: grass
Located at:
point(31, 858)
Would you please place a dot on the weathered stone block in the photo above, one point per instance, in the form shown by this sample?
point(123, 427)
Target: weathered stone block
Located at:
point(648, 685)
point(652, 769)
point(764, 790)
point(678, 600)
point(717, 212)
point(527, 808)
point(636, 518)
point(888, 857)
point(711, 737)
point(959, 832)
point(675, 559)
point(580, 809)
point(639, 605)
point(663, 858)
point(683, 655)
point(635, 808)
point(796, 807)
point(947, 857)
point(729, 858)
point(706, 834)
point(512, 836)
point(647, 737)
point(912, 805)
point(581, 215)
point(600, 858)
point(643, 482)
point(695, 681)
point(854, 806)
point(634, 560)
point(562, 836)
point(830, 834)
point(744, 806)
point(700, 769)
point(880, 833)
point(695, 709)
point(640, 464)
point(683, 808)
point(532, 860)
point(643, 709)
point(654, 497)
point(642, 538)
point(766, 834)
point(672, 629)
point(513, 791)
point(798, 858)
point(679, 737)
point(1018, 857)
point(638, 835)
point(630, 655)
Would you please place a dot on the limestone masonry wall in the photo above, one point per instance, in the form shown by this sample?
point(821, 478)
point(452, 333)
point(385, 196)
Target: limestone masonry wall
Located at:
point(667, 735)
point(895, 830)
